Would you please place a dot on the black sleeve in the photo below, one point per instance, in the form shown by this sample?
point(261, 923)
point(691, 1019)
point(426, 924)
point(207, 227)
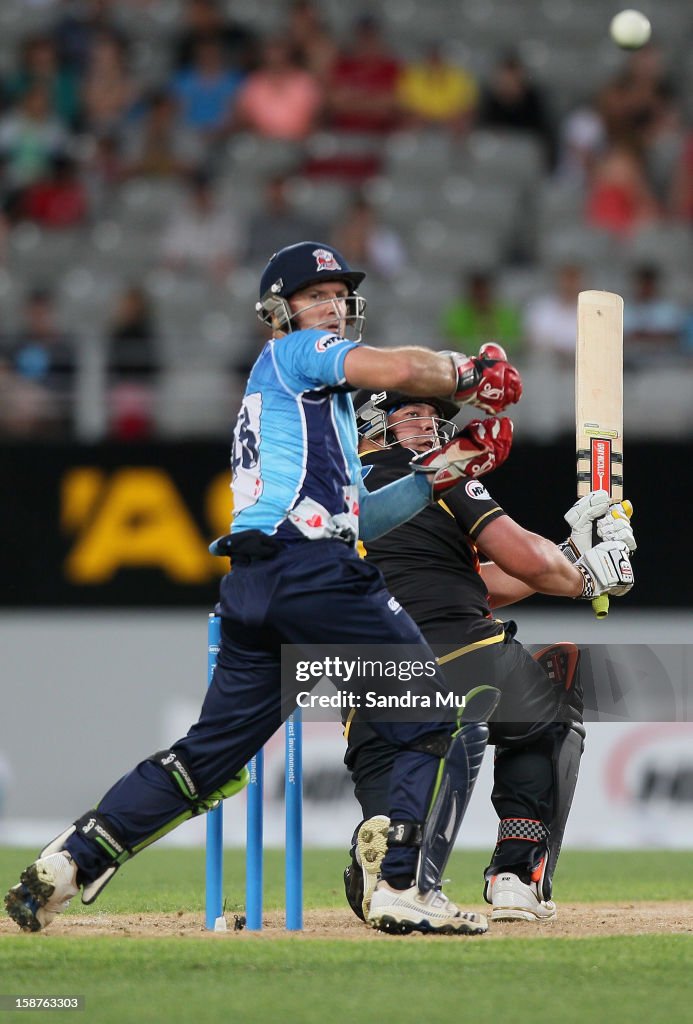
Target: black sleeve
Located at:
point(385, 465)
point(472, 506)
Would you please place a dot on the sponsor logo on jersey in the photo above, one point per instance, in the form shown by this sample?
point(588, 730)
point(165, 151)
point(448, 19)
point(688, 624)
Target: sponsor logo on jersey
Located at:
point(394, 605)
point(322, 344)
point(476, 490)
point(324, 260)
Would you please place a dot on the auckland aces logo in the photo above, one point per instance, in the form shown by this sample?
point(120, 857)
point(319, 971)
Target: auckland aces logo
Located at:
point(325, 260)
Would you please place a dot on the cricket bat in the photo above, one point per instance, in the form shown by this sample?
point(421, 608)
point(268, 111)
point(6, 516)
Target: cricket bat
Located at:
point(599, 401)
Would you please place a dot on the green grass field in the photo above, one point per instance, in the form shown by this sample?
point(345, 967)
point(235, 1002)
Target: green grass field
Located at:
point(329, 981)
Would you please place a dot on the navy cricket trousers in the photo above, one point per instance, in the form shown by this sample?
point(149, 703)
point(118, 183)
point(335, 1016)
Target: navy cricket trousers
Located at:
point(312, 592)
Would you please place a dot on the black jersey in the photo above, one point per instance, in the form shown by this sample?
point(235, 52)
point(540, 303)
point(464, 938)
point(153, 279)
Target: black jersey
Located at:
point(430, 562)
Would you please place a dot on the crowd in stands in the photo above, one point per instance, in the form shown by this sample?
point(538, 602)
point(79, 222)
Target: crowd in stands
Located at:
point(81, 119)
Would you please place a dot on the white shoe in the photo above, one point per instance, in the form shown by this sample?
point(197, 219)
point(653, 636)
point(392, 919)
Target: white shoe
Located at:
point(513, 900)
point(401, 911)
point(45, 889)
point(371, 847)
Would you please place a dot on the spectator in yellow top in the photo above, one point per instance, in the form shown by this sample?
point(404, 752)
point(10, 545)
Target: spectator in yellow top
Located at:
point(433, 91)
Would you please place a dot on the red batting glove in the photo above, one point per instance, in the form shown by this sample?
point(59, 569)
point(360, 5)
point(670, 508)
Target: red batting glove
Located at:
point(480, 447)
point(501, 384)
point(488, 380)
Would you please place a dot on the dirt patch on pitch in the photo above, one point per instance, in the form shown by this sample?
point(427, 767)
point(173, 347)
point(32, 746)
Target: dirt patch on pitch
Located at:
point(575, 920)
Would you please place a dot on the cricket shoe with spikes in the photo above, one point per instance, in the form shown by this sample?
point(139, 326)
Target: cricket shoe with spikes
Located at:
point(45, 889)
point(369, 846)
point(400, 911)
point(515, 900)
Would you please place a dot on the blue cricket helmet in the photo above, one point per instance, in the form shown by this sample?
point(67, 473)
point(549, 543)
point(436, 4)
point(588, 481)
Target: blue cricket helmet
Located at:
point(295, 267)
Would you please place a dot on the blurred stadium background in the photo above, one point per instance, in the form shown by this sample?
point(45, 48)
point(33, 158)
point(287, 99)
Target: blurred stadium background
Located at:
point(483, 161)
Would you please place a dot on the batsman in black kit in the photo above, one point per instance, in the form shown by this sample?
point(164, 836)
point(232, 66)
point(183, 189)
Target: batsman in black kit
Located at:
point(431, 564)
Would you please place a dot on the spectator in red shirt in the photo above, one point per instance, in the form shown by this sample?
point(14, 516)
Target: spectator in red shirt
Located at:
point(362, 95)
point(619, 199)
point(58, 200)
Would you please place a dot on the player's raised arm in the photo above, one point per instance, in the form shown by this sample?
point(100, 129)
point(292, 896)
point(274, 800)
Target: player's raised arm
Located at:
point(487, 381)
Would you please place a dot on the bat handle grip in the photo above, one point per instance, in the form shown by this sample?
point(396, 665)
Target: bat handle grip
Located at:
point(601, 603)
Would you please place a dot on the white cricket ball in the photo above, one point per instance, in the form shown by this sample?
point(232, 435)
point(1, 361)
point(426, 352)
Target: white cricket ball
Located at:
point(630, 29)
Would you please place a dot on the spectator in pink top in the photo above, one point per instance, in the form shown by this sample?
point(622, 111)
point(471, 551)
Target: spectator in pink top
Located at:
point(280, 100)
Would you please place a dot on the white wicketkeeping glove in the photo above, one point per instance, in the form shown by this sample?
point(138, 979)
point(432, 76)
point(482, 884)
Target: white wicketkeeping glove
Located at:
point(605, 569)
point(613, 523)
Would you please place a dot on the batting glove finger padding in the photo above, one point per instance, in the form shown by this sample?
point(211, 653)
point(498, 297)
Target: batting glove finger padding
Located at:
point(581, 518)
point(612, 523)
point(616, 525)
point(605, 569)
point(480, 447)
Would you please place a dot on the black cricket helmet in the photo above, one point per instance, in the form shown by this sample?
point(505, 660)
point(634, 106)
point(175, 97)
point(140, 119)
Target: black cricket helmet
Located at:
point(295, 267)
point(373, 409)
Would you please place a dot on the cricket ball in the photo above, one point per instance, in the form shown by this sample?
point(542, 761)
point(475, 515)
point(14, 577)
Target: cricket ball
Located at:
point(630, 29)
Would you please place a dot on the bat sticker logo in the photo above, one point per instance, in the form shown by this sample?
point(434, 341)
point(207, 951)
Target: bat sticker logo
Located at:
point(601, 464)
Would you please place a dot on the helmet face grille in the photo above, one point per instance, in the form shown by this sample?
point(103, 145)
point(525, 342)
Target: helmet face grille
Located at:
point(373, 411)
point(276, 313)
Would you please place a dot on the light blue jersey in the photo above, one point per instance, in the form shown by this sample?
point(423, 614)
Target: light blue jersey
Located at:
point(296, 470)
point(295, 465)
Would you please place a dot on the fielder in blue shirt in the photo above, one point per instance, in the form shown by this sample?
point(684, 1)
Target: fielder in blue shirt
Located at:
point(295, 579)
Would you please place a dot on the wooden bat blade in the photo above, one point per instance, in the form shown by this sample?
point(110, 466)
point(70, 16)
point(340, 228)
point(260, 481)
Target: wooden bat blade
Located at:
point(599, 399)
